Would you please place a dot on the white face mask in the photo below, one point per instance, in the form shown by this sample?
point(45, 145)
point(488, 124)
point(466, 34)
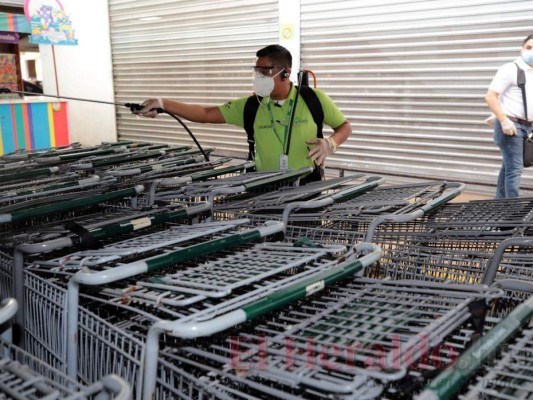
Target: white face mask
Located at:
point(527, 56)
point(264, 85)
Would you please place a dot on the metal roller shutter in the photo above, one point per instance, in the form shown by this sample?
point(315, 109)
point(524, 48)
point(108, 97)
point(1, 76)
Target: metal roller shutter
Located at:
point(198, 51)
point(411, 77)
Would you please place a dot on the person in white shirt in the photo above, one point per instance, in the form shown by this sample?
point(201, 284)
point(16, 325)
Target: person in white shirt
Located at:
point(511, 127)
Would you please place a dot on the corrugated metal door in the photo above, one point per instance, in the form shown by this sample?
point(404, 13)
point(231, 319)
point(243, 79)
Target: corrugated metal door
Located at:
point(195, 51)
point(411, 77)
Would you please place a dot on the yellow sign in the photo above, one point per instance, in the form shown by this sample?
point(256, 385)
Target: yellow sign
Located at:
point(287, 31)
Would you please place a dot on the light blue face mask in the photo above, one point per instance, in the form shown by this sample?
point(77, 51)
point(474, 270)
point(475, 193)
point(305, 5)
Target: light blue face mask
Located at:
point(527, 56)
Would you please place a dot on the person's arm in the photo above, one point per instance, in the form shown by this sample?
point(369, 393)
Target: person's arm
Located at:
point(191, 112)
point(493, 101)
point(341, 133)
point(326, 146)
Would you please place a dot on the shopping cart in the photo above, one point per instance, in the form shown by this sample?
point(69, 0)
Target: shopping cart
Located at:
point(485, 218)
point(385, 210)
point(132, 158)
point(92, 234)
point(385, 200)
point(497, 366)
point(513, 259)
point(190, 283)
point(35, 173)
point(38, 189)
point(245, 277)
point(23, 377)
point(24, 154)
point(18, 166)
point(172, 166)
point(215, 190)
point(459, 254)
point(48, 218)
point(348, 342)
point(73, 148)
point(39, 181)
point(170, 184)
point(280, 203)
point(21, 212)
point(46, 279)
point(64, 157)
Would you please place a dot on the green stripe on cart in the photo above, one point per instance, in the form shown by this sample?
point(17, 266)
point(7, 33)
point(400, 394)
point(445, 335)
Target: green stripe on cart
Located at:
point(301, 290)
point(202, 249)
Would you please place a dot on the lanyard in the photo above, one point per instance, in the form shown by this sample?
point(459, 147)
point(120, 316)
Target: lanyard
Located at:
point(273, 124)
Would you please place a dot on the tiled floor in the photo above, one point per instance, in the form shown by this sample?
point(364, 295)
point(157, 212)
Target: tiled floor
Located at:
point(467, 196)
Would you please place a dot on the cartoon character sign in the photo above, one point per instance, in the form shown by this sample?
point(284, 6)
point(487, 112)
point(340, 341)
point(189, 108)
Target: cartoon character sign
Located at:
point(50, 24)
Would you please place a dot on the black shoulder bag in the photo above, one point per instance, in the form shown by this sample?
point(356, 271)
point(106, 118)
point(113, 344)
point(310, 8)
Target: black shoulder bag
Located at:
point(528, 143)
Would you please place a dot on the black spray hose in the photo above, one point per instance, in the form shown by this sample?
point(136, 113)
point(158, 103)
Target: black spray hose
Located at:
point(134, 108)
point(162, 110)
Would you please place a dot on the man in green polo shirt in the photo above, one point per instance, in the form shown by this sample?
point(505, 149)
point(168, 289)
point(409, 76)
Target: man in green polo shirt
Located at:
point(276, 96)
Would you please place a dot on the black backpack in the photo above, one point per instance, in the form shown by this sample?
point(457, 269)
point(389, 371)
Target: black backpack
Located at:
point(252, 105)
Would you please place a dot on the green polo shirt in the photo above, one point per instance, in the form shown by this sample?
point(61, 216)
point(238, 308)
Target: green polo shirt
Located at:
point(271, 133)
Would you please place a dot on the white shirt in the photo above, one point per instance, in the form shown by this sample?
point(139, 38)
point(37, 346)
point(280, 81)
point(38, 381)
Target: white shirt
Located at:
point(510, 96)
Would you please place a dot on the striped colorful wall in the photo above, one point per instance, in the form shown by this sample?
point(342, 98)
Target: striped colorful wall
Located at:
point(33, 126)
point(14, 23)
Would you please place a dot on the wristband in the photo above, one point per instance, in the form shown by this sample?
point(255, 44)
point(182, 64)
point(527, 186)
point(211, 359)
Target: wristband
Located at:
point(332, 144)
point(160, 102)
point(501, 115)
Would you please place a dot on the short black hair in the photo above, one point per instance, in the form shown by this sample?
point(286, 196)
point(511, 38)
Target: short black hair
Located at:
point(527, 39)
point(277, 54)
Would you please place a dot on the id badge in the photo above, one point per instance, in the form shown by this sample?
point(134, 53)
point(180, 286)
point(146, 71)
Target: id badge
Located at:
point(283, 162)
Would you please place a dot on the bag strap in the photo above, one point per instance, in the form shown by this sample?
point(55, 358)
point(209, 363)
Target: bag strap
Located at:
point(252, 105)
point(250, 110)
point(521, 82)
point(313, 103)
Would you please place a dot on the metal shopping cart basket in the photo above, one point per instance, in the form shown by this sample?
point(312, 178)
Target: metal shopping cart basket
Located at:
point(504, 217)
point(274, 205)
point(168, 167)
point(243, 184)
point(25, 154)
point(383, 210)
point(55, 210)
point(103, 152)
point(385, 200)
point(210, 175)
point(94, 235)
point(347, 342)
point(120, 312)
point(64, 152)
point(459, 254)
point(98, 164)
point(46, 300)
point(23, 377)
point(46, 218)
point(497, 366)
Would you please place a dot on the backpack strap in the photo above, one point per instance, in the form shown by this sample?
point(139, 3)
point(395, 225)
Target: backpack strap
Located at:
point(521, 82)
point(313, 103)
point(250, 110)
point(252, 105)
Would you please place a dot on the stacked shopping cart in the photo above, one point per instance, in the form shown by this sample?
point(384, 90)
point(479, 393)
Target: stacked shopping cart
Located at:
point(24, 377)
point(196, 278)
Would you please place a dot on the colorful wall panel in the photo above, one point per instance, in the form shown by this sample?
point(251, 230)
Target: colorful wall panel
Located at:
point(33, 126)
point(14, 23)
